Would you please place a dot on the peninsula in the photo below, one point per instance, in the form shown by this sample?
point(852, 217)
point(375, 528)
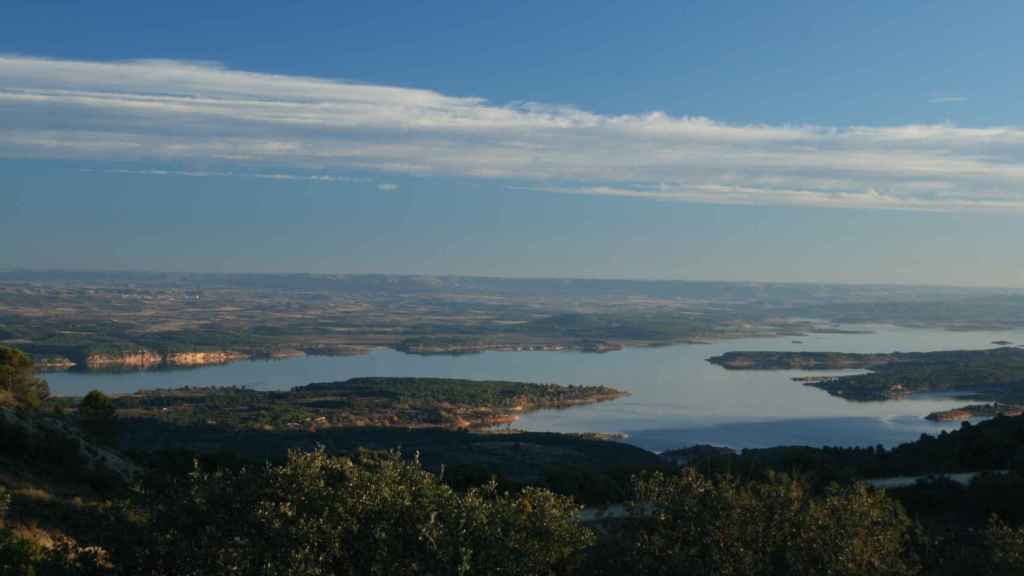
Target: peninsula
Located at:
point(992, 375)
point(360, 402)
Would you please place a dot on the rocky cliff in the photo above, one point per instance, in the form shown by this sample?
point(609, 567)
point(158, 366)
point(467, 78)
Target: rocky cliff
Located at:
point(202, 358)
point(141, 358)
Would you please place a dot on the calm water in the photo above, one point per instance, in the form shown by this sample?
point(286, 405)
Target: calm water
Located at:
point(677, 398)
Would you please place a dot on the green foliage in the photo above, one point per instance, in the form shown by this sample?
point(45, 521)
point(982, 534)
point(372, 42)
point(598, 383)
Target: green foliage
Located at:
point(96, 406)
point(1006, 547)
point(600, 469)
point(663, 327)
point(18, 557)
point(996, 444)
point(374, 513)
point(318, 514)
point(696, 525)
point(688, 524)
point(97, 415)
point(18, 384)
point(44, 447)
point(455, 391)
point(5, 503)
point(997, 374)
point(38, 442)
point(853, 531)
point(22, 557)
point(967, 508)
point(438, 402)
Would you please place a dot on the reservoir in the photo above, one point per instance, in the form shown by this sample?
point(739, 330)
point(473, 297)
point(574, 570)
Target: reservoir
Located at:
point(677, 398)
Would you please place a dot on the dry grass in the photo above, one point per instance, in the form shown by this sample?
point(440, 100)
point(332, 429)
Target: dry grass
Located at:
point(34, 493)
point(31, 532)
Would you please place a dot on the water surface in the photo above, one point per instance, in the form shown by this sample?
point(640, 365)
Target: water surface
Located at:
point(677, 397)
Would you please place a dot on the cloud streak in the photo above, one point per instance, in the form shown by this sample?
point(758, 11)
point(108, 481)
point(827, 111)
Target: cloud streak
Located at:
point(163, 112)
point(329, 178)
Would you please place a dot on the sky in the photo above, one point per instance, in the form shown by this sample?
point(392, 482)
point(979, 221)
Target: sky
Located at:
point(792, 141)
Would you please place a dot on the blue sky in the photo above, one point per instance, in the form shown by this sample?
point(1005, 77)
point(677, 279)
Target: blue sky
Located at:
point(871, 142)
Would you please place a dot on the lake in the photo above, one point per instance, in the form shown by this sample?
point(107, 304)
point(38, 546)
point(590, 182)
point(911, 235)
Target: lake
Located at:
point(678, 399)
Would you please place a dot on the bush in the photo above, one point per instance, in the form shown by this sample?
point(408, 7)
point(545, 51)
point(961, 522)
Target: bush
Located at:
point(18, 384)
point(97, 416)
point(18, 557)
point(1006, 547)
point(853, 531)
point(318, 514)
point(5, 504)
point(689, 524)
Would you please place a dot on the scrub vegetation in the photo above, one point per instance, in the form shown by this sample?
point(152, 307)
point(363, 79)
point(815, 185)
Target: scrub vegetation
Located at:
point(84, 490)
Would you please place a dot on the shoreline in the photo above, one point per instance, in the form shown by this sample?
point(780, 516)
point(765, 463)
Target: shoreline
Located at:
point(143, 359)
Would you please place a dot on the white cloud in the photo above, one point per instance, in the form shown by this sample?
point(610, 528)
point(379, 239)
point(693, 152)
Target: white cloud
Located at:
point(215, 174)
point(387, 187)
point(947, 99)
point(198, 115)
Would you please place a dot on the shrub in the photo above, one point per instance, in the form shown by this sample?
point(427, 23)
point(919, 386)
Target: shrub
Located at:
point(18, 557)
point(689, 524)
point(852, 531)
point(1006, 547)
point(97, 416)
point(18, 384)
point(318, 514)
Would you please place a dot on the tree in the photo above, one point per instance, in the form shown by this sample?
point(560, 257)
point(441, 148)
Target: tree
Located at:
point(18, 383)
point(97, 416)
point(688, 524)
point(852, 531)
point(317, 514)
point(691, 524)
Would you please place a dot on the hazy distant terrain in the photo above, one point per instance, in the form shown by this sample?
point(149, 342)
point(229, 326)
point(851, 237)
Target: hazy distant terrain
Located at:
point(109, 320)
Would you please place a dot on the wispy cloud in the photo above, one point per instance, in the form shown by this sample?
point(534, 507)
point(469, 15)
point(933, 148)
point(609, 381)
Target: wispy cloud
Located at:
point(387, 187)
point(947, 99)
point(256, 175)
point(198, 115)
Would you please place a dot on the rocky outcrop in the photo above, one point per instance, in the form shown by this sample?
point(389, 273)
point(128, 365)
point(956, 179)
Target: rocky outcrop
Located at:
point(53, 363)
point(141, 358)
point(202, 358)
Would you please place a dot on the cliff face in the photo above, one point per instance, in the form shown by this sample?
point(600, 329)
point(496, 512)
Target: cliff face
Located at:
point(135, 359)
point(53, 363)
point(142, 358)
point(201, 358)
